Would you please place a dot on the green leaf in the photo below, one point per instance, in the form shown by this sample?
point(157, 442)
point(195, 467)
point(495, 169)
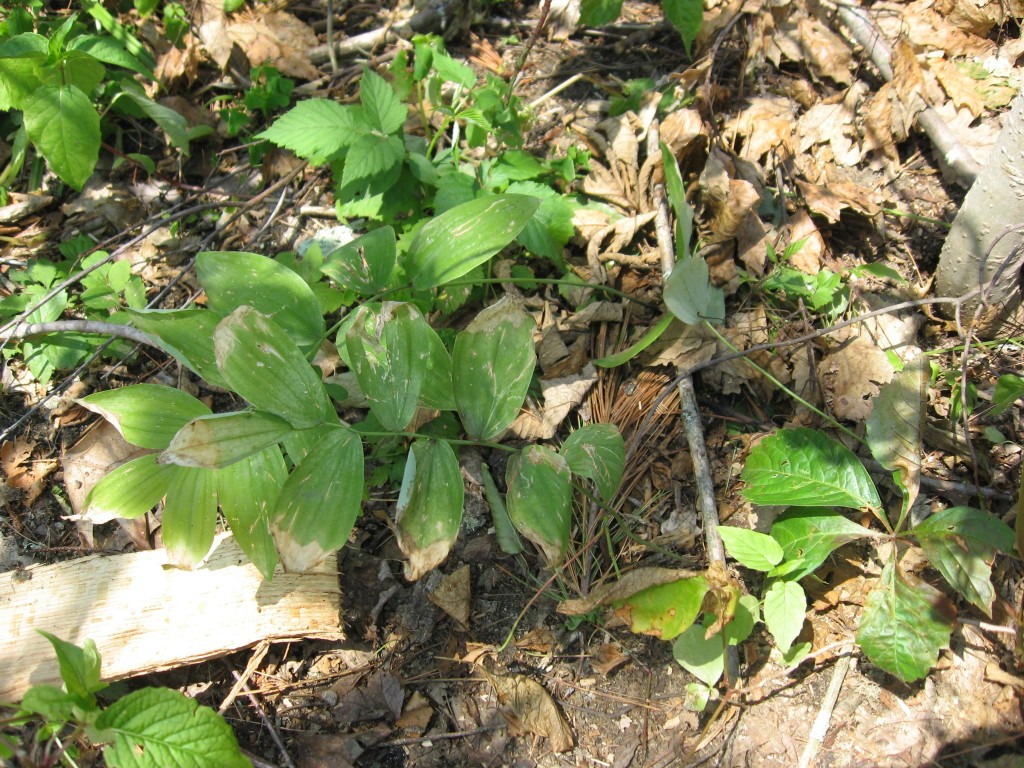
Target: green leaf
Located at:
point(147, 415)
point(700, 655)
point(190, 516)
point(961, 542)
point(597, 451)
point(51, 703)
point(159, 728)
point(689, 295)
point(388, 350)
point(130, 491)
point(261, 363)
point(247, 491)
point(677, 196)
point(664, 610)
point(597, 13)
point(216, 441)
point(110, 51)
point(785, 606)
point(372, 156)
point(686, 16)
point(896, 424)
point(1009, 388)
point(384, 110)
point(317, 129)
point(904, 625)
point(364, 265)
point(319, 501)
point(804, 468)
point(186, 335)
point(438, 391)
point(64, 126)
point(19, 79)
point(450, 245)
point(429, 510)
point(233, 279)
point(540, 500)
point(171, 122)
point(492, 366)
point(811, 534)
point(504, 531)
point(623, 357)
point(751, 549)
point(81, 71)
point(79, 667)
point(748, 613)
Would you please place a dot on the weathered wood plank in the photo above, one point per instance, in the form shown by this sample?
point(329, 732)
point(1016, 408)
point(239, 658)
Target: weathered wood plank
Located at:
point(147, 617)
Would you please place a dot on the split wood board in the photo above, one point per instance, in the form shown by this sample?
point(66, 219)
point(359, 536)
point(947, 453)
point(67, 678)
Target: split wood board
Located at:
point(146, 617)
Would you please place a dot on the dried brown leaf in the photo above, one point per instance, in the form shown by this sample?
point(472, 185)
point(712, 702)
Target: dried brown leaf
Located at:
point(854, 376)
point(560, 396)
point(766, 124)
point(961, 89)
point(532, 709)
point(607, 658)
point(896, 425)
point(453, 595)
point(830, 201)
point(416, 714)
point(808, 258)
point(825, 52)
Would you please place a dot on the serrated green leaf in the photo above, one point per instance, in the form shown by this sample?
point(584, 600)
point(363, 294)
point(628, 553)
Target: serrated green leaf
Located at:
point(247, 491)
point(186, 335)
point(160, 728)
point(216, 441)
point(190, 516)
point(429, 510)
point(961, 542)
point(686, 16)
point(317, 129)
point(751, 549)
point(785, 606)
point(320, 500)
point(234, 279)
point(372, 156)
point(79, 668)
point(700, 655)
point(147, 415)
point(623, 357)
point(597, 451)
point(810, 535)
point(261, 363)
point(129, 491)
point(384, 110)
point(19, 79)
point(689, 295)
point(904, 625)
point(804, 468)
point(550, 229)
point(540, 500)
point(896, 424)
point(664, 610)
point(364, 265)
point(64, 126)
point(492, 365)
point(597, 13)
point(389, 351)
point(450, 245)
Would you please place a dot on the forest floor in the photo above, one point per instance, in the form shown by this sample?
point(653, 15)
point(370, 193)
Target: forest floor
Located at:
point(786, 133)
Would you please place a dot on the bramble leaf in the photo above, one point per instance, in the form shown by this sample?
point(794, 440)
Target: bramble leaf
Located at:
point(317, 129)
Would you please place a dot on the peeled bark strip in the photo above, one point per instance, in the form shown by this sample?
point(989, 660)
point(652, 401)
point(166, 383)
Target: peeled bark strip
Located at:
point(974, 252)
point(145, 617)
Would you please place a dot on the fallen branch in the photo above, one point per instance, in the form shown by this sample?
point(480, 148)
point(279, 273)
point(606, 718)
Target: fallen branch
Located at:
point(828, 704)
point(27, 330)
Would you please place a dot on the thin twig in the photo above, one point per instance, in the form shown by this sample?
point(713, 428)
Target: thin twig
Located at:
point(828, 704)
point(26, 330)
point(267, 722)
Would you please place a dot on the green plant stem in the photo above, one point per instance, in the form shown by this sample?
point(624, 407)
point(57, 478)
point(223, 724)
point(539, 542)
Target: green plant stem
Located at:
point(453, 441)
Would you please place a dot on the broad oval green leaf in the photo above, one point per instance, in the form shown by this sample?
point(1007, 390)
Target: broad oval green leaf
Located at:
point(438, 391)
point(234, 279)
point(364, 265)
point(896, 424)
point(686, 16)
point(811, 534)
point(664, 610)
point(961, 542)
point(700, 655)
point(215, 441)
point(492, 366)
point(597, 13)
point(540, 500)
point(64, 126)
point(389, 350)
point(804, 468)
point(904, 625)
point(261, 363)
point(429, 506)
point(147, 415)
point(186, 335)
point(689, 294)
point(450, 245)
point(751, 549)
point(159, 727)
point(785, 606)
point(129, 491)
point(247, 491)
point(598, 452)
point(79, 666)
point(190, 516)
point(319, 502)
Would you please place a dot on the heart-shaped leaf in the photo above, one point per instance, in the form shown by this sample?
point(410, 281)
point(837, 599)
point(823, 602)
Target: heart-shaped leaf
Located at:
point(540, 500)
point(429, 506)
point(751, 549)
point(689, 295)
